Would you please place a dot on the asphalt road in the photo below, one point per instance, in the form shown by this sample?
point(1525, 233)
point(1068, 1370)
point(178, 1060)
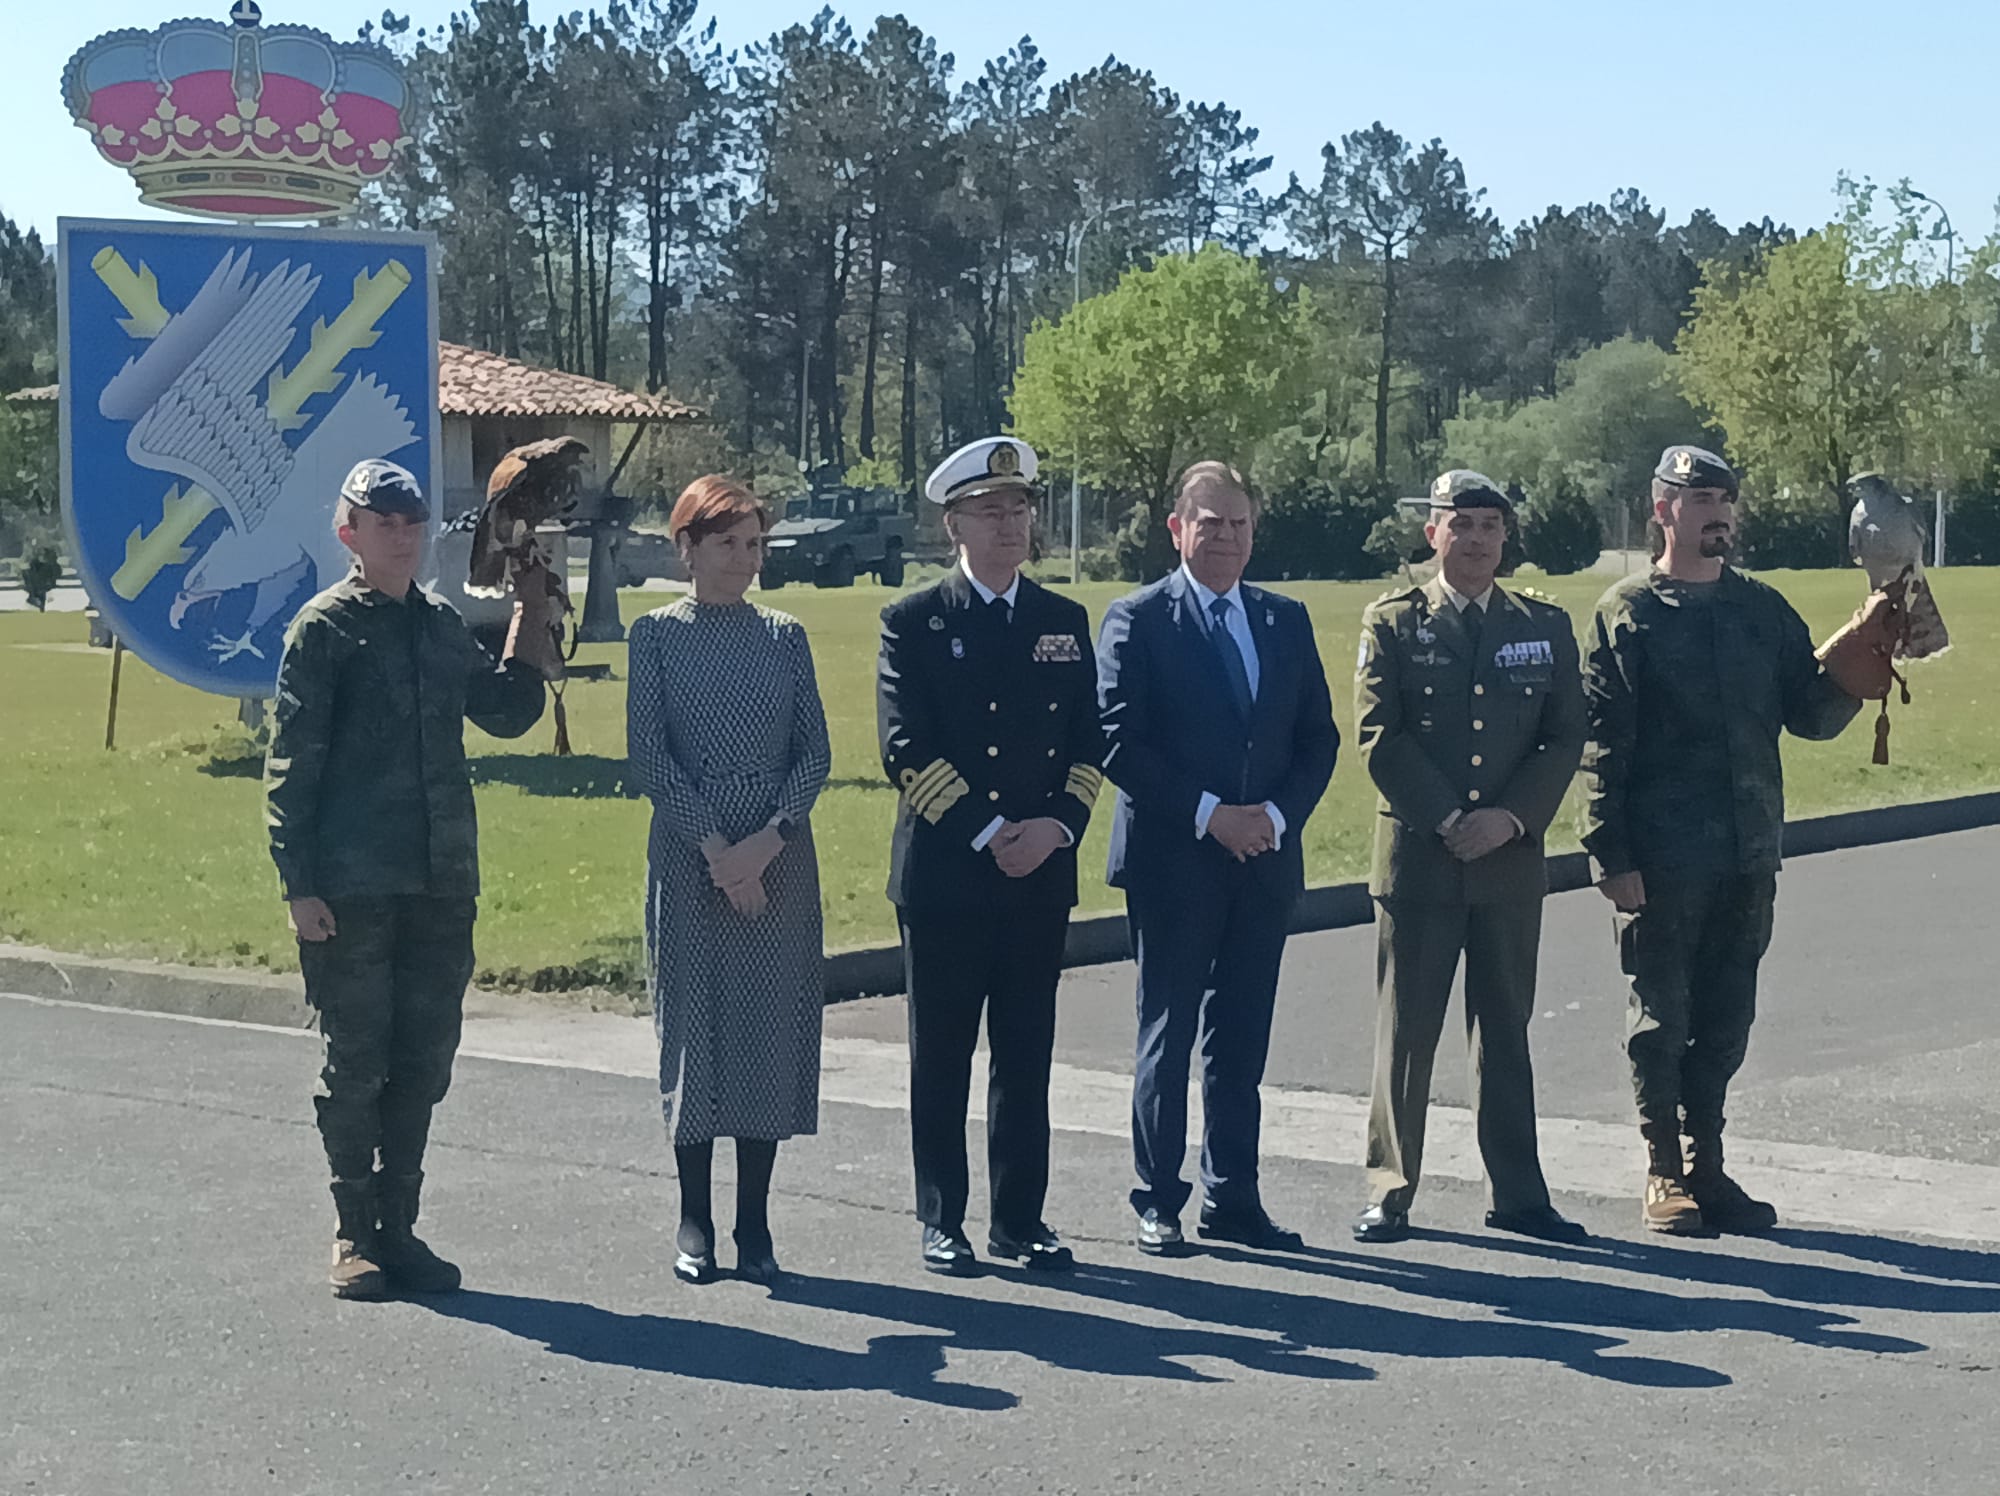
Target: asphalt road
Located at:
point(164, 1225)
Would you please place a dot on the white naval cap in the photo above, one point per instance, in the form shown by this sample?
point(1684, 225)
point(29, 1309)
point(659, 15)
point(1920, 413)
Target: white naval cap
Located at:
point(993, 464)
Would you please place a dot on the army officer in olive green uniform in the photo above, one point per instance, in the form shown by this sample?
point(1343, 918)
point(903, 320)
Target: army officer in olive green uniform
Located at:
point(1471, 722)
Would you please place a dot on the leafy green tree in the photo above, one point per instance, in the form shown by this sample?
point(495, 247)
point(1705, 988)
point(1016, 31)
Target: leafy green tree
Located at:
point(1598, 437)
point(1787, 357)
point(1196, 357)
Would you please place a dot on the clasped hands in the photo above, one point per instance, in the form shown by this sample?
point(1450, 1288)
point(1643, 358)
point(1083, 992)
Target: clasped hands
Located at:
point(1243, 831)
point(1476, 833)
point(738, 868)
point(1019, 847)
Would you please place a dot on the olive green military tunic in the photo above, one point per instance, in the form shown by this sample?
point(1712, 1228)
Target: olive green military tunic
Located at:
point(1454, 718)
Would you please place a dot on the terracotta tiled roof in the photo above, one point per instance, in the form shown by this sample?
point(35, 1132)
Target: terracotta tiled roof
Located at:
point(472, 382)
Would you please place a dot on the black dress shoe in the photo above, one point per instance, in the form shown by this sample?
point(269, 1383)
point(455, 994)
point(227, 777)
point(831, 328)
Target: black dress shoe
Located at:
point(756, 1261)
point(694, 1245)
point(695, 1267)
point(1248, 1228)
point(1159, 1235)
point(1543, 1223)
point(1379, 1224)
point(1039, 1250)
point(948, 1252)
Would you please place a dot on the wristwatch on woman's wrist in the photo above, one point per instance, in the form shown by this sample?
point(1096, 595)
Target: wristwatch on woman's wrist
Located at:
point(783, 826)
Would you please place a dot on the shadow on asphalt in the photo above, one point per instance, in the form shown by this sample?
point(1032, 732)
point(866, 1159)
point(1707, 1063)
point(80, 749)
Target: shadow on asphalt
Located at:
point(906, 1365)
point(1921, 1258)
point(1560, 1317)
point(1719, 1264)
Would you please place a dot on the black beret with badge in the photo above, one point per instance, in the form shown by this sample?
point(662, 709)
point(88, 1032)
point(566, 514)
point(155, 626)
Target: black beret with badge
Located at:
point(1462, 488)
point(993, 464)
point(380, 485)
point(1695, 467)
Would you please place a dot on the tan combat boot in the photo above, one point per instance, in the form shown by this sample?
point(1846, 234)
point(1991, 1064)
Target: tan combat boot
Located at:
point(1669, 1208)
point(411, 1265)
point(356, 1272)
point(1725, 1204)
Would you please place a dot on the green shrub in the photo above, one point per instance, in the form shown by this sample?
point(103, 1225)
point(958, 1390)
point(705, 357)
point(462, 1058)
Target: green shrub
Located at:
point(1318, 532)
point(1560, 531)
point(40, 574)
point(1972, 530)
point(1790, 530)
point(1397, 540)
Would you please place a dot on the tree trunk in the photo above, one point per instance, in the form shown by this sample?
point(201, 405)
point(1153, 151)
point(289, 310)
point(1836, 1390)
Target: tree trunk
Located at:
point(907, 470)
point(873, 341)
point(1382, 369)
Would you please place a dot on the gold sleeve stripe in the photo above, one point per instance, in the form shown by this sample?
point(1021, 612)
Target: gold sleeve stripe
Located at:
point(942, 800)
point(1084, 782)
point(922, 786)
point(917, 779)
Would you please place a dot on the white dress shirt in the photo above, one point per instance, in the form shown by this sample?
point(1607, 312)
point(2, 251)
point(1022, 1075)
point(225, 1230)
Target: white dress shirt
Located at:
point(1237, 619)
point(986, 596)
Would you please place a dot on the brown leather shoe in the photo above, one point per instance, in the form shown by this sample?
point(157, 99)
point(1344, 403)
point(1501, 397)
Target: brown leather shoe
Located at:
point(356, 1274)
point(1668, 1207)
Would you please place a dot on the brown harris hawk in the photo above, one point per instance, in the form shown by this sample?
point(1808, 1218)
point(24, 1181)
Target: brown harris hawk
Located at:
point(530, 486)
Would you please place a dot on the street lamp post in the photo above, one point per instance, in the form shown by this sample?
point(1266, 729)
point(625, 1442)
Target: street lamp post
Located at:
point(1076, 455)
point(1950, 237)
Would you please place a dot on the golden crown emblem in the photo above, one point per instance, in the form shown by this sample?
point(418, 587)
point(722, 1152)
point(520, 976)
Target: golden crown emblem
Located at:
point(241, 121)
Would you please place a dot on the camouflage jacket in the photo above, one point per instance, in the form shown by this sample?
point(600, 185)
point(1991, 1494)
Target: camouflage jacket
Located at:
point(1446, 728)
point(366, 787)
point(1688, 687)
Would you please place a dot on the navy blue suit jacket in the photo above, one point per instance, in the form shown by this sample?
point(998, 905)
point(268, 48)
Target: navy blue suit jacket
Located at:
point(1173, 730)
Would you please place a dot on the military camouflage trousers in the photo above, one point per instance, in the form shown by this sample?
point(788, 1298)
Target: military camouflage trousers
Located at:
point(1692, 954)
point(389, 992)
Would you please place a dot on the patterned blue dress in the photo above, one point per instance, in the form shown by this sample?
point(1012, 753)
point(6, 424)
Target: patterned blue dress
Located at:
point(724, 729)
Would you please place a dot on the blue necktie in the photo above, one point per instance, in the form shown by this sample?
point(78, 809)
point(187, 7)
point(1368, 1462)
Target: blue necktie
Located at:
point(1232, 656)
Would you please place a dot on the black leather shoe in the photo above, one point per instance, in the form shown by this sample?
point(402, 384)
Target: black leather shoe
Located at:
point(1379, 1224)
point(1159, 1235)
point(1248, 1228)
point(756, 1262)
point(1543, 1223)
point(948, 1252)
point(1039, 1250)
point(695, 1253)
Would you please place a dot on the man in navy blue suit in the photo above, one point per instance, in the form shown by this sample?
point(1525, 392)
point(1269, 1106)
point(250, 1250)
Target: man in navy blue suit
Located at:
point(1220, 738)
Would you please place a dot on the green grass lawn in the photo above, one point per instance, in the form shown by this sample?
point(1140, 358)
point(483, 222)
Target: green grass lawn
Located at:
point(157, 849)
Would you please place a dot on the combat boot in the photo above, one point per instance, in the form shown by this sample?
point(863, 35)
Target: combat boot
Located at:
point(410, 1264)
point(1669, 1208)
point(1725, 1204)
point(357, 1270)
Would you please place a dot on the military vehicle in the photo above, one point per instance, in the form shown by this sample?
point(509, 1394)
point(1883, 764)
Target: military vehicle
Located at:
point(836, 532)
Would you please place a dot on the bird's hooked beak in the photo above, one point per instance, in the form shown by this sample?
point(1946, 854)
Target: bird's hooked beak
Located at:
point(184, 601)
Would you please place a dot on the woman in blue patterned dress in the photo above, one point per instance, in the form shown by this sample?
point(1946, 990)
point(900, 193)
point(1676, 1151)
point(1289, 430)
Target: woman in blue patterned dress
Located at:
point(726, 736)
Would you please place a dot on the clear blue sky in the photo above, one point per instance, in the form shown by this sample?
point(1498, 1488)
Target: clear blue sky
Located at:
point(1747, 108)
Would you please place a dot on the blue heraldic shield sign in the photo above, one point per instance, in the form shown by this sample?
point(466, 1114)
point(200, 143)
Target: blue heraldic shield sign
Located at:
point(218, 383)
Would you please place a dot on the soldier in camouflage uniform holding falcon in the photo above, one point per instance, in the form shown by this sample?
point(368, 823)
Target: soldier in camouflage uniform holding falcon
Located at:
point(371, 822)
point(1693, 670)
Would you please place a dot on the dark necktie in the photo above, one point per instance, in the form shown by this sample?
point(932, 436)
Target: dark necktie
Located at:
point(1232, 656)
point(1474, 618)
point(1002, 612)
